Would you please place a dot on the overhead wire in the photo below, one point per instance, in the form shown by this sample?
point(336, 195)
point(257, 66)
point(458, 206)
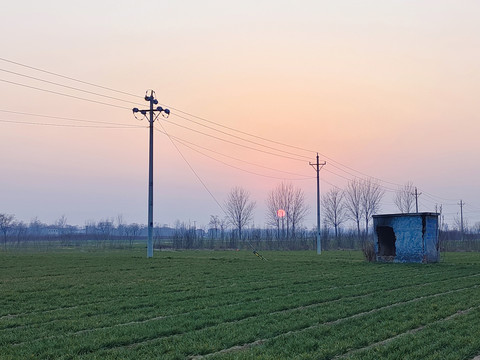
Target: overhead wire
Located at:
point(229, 156)
point(191, 115)
point(67, 125)
point(71, 119)
point(69, 87)
point(66, 95)
point(238, 168)
point(341, 167)
point(68, 77)
point(231, 142)
point(240, 138)
point(193, 170)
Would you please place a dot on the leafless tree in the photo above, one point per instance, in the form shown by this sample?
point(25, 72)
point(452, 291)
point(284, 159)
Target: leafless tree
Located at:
point(6, 223)
point(274, 203)
point(120, 225)
point(372, 194)
point(132, 231)
point(476, 228)
point(105, 227)
point(286, 197)
point(298, 209)
point(20, 229)
point(458, 225)
point(214, 224)
point(239, 208)
point(334, 209)
point(405, 198)
point(61, 224)
point(279, 198)
point(353, 202)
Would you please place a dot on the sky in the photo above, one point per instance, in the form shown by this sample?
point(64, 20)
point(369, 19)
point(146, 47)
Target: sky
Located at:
point(381, 89)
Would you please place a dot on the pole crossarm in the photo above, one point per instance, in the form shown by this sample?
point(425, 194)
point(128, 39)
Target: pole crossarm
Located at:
point(151, 111)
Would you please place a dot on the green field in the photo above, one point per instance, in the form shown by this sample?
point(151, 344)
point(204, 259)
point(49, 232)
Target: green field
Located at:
point(231, 305)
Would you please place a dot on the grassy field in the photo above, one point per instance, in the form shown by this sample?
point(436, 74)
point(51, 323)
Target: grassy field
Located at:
point(231, 305)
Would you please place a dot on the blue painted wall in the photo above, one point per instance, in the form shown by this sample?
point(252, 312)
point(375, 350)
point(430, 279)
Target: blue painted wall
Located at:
point(416, 237)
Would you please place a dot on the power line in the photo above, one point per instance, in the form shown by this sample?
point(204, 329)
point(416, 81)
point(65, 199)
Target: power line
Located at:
point(228, 156)
point(240, 138)
point(62, 94)
point(69, 87)
point(236, 167)
point(69, 119)
point(69, 78)
point(68, 125)
point(178, 110)
point(186, 113)
point(357, 177)
point(193, 170)
point(232, 142)
point(437, 197)
point(240, 131)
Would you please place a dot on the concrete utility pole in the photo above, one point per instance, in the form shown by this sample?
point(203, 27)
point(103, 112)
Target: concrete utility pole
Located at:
point(416, 199)
point(461, 203)
point(151, 99)
point(317, 166)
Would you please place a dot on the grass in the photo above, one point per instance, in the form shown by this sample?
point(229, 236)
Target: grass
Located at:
point(231, 305)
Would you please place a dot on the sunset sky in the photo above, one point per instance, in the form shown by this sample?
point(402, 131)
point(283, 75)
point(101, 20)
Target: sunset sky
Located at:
point(385, 89)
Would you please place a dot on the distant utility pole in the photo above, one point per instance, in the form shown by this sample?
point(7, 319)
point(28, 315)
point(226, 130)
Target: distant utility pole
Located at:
point(151, 99)
point(317, 166)
point(416, 199)
point(461, 203)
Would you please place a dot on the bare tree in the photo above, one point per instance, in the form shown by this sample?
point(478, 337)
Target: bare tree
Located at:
point(334, 209)
point(476, 228)
point(274, 203)
point(6, 223)
point(405, 198)
point(279, 198)
point(286, 197)
point(61, 224)
point(20, 229)
point(239, 208)
point(132, 231)
point(372, 194)
point(298, 209)
point(120, 225)
point(105, 227)
point(214, 224)
point(353, 202)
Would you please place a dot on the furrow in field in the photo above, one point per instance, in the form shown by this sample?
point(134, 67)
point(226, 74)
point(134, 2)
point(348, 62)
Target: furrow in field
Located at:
point(306, 306)
point(328, 323)
point(409, 332)
point(208, 295)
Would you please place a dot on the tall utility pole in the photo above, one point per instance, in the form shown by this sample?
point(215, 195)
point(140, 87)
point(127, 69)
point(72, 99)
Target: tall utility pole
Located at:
point(152, 117)
point(416, 199)
point(317, 166)
point(461, 203)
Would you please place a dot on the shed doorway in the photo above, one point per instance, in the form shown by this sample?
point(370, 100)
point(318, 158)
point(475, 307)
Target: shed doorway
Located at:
point(386, 241)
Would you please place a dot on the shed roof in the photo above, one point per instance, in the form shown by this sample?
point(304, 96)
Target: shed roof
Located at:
point(406, 214)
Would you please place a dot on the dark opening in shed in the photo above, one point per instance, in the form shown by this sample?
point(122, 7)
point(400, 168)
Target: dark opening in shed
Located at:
point(386, 241)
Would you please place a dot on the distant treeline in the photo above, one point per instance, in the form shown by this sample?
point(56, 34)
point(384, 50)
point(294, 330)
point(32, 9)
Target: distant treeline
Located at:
point(116, 234)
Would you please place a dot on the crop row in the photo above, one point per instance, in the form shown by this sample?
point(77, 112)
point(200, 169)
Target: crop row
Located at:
point(226, 304)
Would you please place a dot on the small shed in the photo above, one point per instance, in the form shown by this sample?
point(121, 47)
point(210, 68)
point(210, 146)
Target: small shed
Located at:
point(406, 237)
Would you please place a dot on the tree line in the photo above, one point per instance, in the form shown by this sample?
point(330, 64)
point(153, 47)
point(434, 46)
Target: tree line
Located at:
point(286, 210)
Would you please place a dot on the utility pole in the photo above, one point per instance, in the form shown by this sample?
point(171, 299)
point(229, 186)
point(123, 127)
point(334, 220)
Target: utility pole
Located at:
point(317, 166)
point(416, 199)
point(461, 203)
point(152, 117)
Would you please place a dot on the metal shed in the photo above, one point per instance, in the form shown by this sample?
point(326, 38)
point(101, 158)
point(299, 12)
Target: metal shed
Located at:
point(406, 237)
